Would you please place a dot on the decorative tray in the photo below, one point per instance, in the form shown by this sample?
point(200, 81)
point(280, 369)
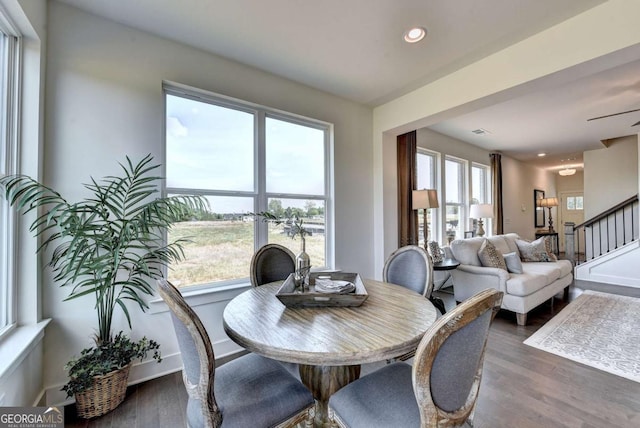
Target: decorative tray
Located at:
point(311, 298)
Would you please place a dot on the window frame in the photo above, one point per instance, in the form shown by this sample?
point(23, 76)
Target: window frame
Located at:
point(463, 191)
point(259, 193)
point(487, 196)
point(11, 62)
point(435, 227)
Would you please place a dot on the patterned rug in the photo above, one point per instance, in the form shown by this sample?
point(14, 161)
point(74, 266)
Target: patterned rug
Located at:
point(597, 329)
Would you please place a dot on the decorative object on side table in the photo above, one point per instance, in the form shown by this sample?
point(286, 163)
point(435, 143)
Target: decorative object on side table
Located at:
point(296, 228)
point(436, 253)
point(548, 203)
point(479, 212)
point(112, 246)
point(425, 199)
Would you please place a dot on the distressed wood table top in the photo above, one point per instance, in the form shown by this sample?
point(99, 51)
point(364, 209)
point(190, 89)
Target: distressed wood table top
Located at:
point(389, 323)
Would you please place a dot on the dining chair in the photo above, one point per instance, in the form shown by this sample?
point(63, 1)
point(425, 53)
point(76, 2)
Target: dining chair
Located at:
point(248, 391)
point(272, 262)
point(440, 389)
point(411, 267)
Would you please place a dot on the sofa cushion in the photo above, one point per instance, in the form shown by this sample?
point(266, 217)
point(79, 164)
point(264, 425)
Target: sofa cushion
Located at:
point(466, 250)
point(510, 239)
point(565, 266)
point(500, 243)
point(512, 260)
point(526, 283)
point(533, 251)
point(550, 270)
point(490, 256)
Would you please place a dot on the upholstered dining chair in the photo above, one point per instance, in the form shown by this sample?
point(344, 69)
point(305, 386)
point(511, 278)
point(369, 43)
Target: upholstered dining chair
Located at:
point(441, 388)
point(272, 262)
point(411, 267)
point(248, 391)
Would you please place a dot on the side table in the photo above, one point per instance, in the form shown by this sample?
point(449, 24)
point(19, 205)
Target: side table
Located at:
point(446, 264)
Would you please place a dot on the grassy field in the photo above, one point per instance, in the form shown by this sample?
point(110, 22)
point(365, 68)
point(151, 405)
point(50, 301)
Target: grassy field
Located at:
point(222, 250)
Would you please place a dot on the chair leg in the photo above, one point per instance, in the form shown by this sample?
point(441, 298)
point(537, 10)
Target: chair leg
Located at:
point(521, 318)
point(438, 303)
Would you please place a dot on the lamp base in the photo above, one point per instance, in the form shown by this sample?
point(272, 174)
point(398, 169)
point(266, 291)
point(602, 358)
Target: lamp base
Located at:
point(480, 230)
point(550, 222)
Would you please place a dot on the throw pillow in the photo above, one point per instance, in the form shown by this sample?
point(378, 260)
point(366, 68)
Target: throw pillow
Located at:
point(547, 247)
point(512, 261)
point(434, 251)
point(533, 251)
point(490, 257)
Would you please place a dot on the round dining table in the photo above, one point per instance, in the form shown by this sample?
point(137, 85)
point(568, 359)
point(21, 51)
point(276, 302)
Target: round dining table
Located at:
point(329, 343)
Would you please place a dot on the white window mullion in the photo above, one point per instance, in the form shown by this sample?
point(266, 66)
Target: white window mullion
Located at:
point(9, 129)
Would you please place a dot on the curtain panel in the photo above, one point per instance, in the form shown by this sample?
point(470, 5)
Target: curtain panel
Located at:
point(407, 217)
point(496, 177)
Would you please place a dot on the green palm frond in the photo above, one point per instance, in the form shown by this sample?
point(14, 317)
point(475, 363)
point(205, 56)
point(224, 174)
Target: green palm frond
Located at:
point(110, 244)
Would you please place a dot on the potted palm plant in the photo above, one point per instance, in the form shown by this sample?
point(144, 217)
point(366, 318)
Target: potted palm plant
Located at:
point(111, 246)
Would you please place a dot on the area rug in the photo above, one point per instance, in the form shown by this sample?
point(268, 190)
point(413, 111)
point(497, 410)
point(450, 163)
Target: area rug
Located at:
point(597, 329)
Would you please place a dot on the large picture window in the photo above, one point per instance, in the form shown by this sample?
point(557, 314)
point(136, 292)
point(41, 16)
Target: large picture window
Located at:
point(244, 158)
point(9, 89)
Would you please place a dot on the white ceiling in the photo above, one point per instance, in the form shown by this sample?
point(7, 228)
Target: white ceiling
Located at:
point(354, 49)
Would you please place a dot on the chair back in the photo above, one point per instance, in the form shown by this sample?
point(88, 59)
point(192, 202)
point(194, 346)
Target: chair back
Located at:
point(272, 262)
point(411, 267)
point(447, 368)
point(198, 359)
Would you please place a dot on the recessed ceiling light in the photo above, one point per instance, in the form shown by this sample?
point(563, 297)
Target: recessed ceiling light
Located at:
point(415, 34)
point(541, 155)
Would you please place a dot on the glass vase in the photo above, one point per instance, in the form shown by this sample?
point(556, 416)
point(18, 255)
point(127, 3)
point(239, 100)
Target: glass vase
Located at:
point(303, 266)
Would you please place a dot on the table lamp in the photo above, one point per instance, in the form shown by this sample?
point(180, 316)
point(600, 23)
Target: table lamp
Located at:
point(480, 211)
point(548, 203)
point(425, 199)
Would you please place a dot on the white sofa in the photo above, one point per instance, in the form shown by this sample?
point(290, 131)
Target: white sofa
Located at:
point(538, 282)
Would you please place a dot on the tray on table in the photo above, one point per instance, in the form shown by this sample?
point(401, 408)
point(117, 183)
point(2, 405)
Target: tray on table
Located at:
point(310, 298)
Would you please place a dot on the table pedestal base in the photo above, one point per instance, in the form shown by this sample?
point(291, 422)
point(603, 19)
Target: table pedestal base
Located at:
point(323, 381)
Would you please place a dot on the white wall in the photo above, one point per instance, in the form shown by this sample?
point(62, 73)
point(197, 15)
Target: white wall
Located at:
point(610, 175)
point(104, 101)
point(518, 182)
point(570, 183)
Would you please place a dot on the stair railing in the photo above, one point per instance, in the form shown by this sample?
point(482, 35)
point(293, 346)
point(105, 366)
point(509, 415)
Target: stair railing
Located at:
point(603, 233)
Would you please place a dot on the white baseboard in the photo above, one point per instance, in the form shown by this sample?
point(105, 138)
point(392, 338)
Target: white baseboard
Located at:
point(142, 372)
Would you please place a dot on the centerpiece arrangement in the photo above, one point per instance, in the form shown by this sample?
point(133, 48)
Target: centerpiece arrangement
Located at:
point(111, 246)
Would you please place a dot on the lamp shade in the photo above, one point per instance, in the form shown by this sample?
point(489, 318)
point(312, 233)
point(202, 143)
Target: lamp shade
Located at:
point(481, 211)
point(547, 202)
point(425, 198)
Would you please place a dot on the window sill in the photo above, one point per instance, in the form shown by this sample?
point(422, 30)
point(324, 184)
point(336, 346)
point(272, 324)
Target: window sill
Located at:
point(202, 296)
point(18, 344)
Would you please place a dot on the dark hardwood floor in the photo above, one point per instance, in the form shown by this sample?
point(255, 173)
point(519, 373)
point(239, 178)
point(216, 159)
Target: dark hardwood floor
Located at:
point(521, 386)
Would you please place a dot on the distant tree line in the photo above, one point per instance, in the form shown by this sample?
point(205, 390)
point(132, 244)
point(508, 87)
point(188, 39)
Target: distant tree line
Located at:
point(275, 207)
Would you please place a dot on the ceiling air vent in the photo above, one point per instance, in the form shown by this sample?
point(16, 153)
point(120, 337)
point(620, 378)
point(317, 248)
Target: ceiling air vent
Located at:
point(480, 131)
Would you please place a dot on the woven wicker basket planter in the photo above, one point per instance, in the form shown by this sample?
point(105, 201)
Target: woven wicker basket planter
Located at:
point(107, 392)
